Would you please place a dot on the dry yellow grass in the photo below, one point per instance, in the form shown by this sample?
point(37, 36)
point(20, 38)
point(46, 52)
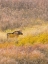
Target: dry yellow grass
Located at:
point(34, 35)
point(32, 47)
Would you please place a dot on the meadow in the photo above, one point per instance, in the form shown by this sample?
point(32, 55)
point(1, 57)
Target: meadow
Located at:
point(32, 46)
point(31, 17)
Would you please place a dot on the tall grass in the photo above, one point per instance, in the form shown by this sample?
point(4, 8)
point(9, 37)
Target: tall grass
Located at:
point(40, 38)
point(30, 49)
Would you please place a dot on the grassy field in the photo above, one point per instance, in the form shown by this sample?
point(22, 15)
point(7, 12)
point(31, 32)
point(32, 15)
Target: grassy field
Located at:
point(33, 35)
point(31, 48)
point(31, 17)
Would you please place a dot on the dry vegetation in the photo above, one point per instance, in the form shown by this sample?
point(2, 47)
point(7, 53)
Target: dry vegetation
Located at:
point(35, 54)
point(23, 13)
point(32, 47)
point(31, 16)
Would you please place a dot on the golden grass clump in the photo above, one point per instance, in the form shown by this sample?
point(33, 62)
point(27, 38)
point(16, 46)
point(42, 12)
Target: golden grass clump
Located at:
point(40, 38)
point(43, 38)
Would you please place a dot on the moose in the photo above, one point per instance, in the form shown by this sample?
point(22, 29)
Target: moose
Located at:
point(14, 34)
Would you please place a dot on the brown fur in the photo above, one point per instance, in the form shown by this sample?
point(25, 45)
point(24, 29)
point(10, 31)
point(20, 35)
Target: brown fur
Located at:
point(14, 34)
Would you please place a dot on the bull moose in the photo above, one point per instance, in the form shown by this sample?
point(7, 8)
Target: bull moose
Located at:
point(14, 34)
